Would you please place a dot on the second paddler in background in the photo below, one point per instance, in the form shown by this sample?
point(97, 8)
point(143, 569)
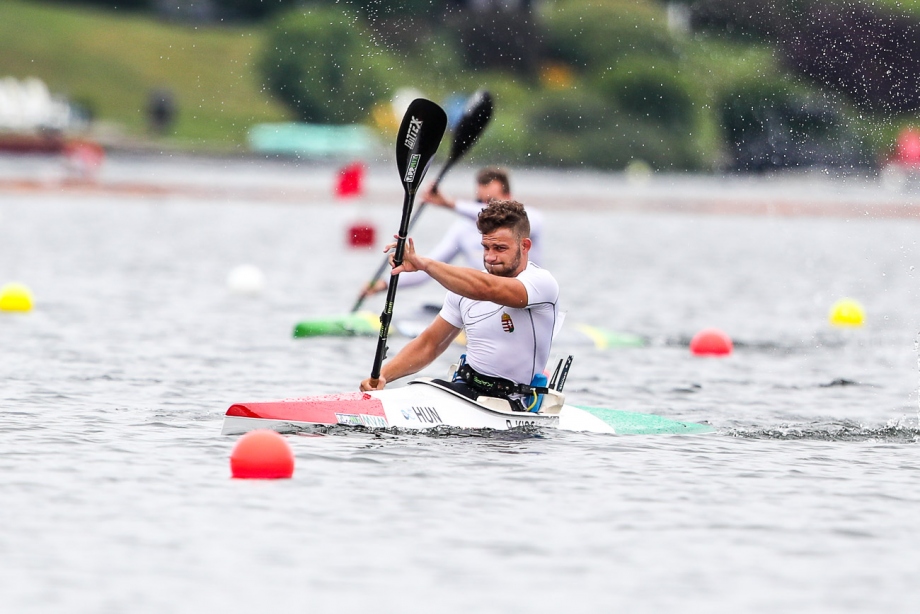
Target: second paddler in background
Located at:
point(463, 238)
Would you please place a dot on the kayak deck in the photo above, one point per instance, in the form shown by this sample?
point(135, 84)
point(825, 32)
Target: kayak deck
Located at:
point(425, 404)
point(635, 423)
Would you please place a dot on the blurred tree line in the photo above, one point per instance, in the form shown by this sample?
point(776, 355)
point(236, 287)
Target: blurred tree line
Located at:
point(196, 10)
point(685, 84)
point(862, 51)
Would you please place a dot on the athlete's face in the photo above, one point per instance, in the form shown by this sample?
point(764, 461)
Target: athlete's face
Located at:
point(491, 190)
point(503, 254)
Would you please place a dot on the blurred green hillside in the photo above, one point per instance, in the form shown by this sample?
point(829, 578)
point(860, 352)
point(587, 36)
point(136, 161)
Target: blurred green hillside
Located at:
point(684, 85)
point(109, 63)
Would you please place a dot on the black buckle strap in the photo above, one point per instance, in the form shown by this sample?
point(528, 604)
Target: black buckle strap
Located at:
point(495, 385)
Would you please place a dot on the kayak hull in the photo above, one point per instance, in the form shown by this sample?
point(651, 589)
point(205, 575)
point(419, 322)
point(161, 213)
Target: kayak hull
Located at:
point(425, 405)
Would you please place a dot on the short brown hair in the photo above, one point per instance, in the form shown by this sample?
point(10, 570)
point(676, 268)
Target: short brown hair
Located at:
point(493, 173)
point(504, 214)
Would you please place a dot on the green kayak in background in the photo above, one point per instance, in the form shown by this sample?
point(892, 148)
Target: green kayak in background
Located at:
point(358, 324)
point(367, 324)
point(601, 338)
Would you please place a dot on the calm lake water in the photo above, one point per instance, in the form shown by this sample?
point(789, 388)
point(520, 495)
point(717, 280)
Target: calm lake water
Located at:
point(115, 493)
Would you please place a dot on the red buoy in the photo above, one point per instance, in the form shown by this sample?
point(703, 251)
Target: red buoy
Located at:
point(362, 234)
point(711, 342)
point(350, 181)
point(907, 150)
point(262, 454)
point(84, 157)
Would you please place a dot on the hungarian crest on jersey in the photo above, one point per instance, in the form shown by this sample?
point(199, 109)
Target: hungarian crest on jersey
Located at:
point(507, 323)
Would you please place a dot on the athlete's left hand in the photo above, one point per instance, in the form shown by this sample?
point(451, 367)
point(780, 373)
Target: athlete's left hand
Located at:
point(368, 384)
point(411, 259)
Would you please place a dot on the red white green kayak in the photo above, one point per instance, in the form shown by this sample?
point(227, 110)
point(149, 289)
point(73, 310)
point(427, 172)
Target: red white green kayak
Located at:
point(425, 404)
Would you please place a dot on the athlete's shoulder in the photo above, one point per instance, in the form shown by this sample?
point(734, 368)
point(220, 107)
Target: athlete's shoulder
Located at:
point(539, 283)
point(535, 270)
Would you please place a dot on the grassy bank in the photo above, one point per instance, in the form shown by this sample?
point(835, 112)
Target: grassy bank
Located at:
point(110, 62)
point(637, 93)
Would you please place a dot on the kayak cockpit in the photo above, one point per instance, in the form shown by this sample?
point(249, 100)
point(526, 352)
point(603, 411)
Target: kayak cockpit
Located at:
point(551, 406)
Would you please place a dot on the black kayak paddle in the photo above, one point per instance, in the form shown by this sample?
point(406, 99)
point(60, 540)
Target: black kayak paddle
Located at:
point(472, 124)
point(419, 135)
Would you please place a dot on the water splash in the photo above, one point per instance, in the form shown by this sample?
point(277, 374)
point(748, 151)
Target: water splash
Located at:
point(917, 352)
point(844, 431)
point(340, 430)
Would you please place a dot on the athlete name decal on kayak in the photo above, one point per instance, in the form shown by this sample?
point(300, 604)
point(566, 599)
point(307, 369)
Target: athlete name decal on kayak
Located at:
point(415, 126)
point(426, 414)
point(512, 424)
point(507, 323)
point(549, 420)
point(349, 419)
point(413, 166)
point(372, 422)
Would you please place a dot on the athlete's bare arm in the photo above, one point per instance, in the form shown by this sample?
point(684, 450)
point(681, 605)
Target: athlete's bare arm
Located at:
point(418, 353)
point(470, 283)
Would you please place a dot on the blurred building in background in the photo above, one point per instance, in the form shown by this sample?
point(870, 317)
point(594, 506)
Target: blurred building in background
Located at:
point(28, 106)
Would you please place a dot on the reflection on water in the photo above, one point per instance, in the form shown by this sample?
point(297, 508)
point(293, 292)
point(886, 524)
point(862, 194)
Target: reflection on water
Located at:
point(115, 478)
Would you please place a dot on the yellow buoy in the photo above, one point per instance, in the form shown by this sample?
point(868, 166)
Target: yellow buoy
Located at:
point(847, 312)
point(15, 297)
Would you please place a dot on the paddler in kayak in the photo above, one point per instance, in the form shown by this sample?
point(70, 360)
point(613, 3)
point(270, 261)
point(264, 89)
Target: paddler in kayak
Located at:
point(463, 238)
point(508, 311)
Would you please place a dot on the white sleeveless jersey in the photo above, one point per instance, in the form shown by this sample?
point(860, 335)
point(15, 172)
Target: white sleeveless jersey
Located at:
point(505, 341)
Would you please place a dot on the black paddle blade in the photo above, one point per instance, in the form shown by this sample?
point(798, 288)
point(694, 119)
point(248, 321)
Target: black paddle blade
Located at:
point(419, 135)
point(474, 121)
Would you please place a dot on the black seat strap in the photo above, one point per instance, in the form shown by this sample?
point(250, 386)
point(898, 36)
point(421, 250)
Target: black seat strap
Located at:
point(496, 386)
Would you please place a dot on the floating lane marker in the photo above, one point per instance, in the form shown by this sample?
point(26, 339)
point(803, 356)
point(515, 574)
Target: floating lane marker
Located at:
point(847, 312)
point(711, 342)
point(246, 279)
point(262, 454)
point(15, 297)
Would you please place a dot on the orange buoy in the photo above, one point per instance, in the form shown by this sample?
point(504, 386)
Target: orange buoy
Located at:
point(711, 342)
point(262, 454)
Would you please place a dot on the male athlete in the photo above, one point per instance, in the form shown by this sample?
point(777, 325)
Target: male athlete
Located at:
point(508, 310)
point(463, 238)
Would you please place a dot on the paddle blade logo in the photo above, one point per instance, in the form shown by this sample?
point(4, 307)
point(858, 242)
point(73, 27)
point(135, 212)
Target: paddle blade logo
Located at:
point(413, 166)
point(415, 126)
point(507, 323)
